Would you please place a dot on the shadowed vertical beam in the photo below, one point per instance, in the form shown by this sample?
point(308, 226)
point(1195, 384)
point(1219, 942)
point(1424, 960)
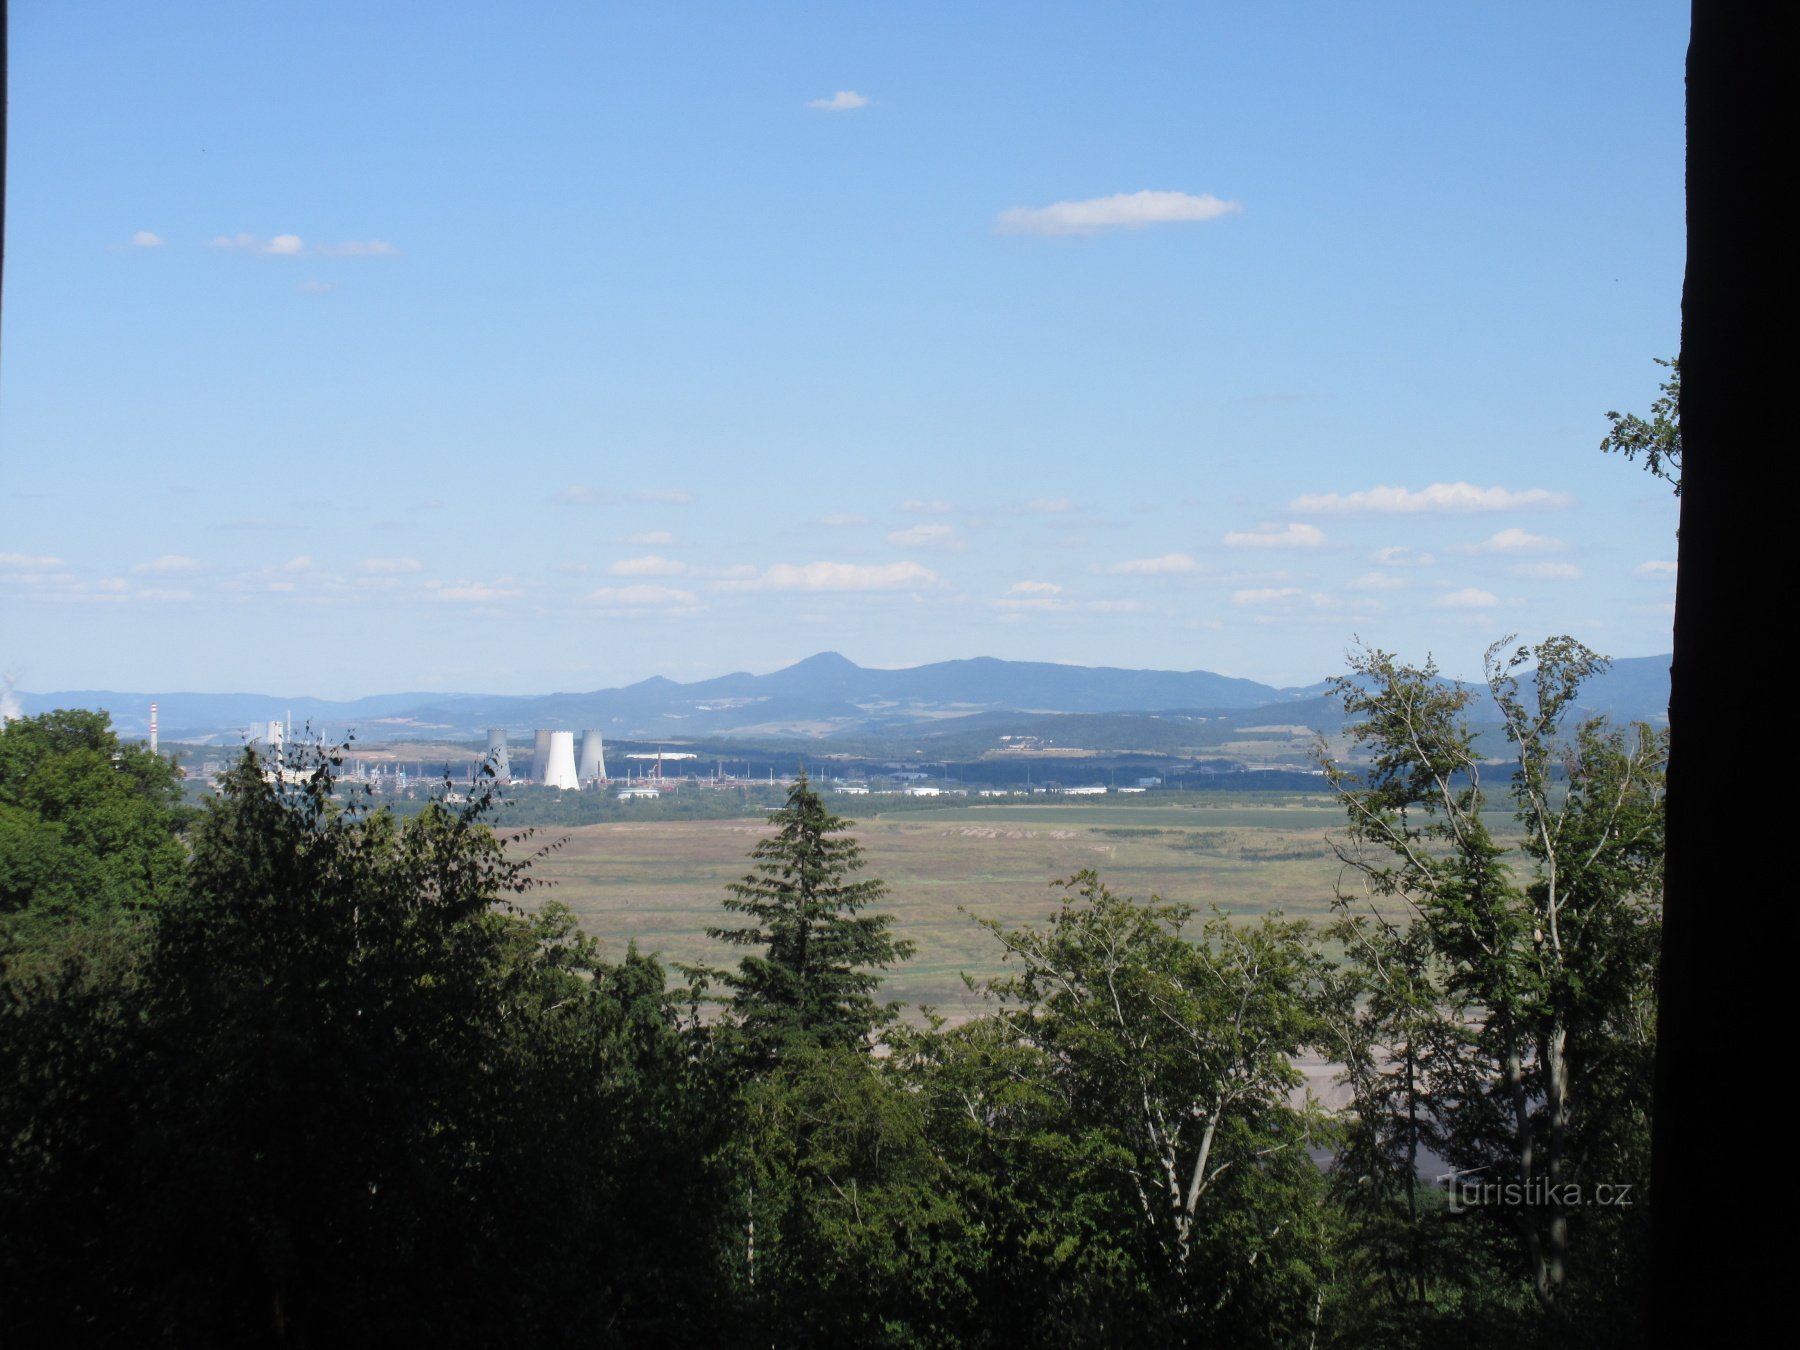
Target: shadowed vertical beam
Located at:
point(1727, 979)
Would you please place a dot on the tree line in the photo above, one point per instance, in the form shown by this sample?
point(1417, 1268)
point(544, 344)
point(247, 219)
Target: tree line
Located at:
point(289, 1070)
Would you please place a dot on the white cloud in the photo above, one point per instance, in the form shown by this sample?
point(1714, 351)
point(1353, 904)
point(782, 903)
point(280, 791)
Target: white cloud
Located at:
point(302, 563)
point(281, 246)
point(650, 537)
point(927, 535)
point(580, 494)
point(1168, 563)
point(315, 287)
point(935, 507)
point(1121, 211)
point(146, 239)
point(1469, 597)
point(1546, 571)
point(641, 597)
point(1450, 498)
point(1035, 603)
point(1265, 595)
point(474, 592)
point(1516, 541)
point(1050, 505)
point(1656, 569)
point(387, 567)
point(1115, 606)
point(1034, 588)
point(169, 563)
point(663, 496)
point(845, 100)
point(357, 248)
point(30, 562)
point(1277, 536)
point(1399, 556)
point(648, 566)
point(834, 576)
point(1376, 581)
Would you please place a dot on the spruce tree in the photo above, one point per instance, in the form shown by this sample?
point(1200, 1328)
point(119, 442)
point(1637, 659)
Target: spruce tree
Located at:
point(813, 976)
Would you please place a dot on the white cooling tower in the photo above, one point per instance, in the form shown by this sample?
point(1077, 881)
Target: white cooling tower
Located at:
point(540, 755)
point(560, 769)
point(592, 764)
point(496, 755)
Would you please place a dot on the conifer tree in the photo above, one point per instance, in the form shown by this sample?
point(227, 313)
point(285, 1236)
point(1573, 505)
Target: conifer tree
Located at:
point(813, 973)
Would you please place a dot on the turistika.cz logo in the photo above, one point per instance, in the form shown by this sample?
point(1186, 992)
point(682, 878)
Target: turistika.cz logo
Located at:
point(1468, 1189)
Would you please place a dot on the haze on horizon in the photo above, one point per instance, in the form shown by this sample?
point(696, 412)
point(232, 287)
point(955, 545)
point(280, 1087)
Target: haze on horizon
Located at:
point(356, 351)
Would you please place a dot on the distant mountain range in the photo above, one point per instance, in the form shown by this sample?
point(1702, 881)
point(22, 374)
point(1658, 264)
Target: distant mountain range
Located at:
point(823, 696)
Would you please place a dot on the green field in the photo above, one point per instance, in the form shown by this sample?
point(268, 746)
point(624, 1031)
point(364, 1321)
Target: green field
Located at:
point(660, 882)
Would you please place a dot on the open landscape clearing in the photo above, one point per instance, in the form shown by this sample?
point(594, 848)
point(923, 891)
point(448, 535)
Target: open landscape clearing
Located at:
point(660, 883)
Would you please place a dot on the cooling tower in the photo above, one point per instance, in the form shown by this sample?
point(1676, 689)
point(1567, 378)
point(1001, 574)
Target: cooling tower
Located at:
point(496, 755)
point(560, 770)
point(592, 763)
point(540, 756)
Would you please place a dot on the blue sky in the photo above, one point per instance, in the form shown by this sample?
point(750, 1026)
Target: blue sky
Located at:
point(352, 348)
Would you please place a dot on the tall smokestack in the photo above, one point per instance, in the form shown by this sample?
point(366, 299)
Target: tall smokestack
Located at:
point(497, 757)
point(540, 755)
point(153, 728)
point(560, 770)
point(592, 764)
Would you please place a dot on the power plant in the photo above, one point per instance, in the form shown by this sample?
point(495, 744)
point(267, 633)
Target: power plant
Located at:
point(497, 758)
point(553, 760)
point(558, 770)
point(592, 764)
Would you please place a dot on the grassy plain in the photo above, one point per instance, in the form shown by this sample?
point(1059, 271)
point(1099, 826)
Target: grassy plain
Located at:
point(659, 883)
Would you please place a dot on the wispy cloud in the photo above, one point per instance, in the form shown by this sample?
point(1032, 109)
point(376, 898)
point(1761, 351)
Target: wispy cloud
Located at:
point(280, 246)
point(146, 239)
point(1049, 505)
point(1121, 211)
point(1277, 536)
point(663, 496)
point(1656, 569)
point(1545, 571)
point(669, 599)
point(1034, 588)
point(1167, 564)
point(845, 100)
point(1266, 595)
point(936, 506)
point(836, 576)
point(1398, 555)
point(31, 562)
point(1469, 597)
point(474, 592)
point(388, 567)
point(580, 494)
point(842, 520)
point(648, 566)
point(1376, 581)
point(1517, 541)
point(1444, 498)
point(650, 538)
point(169, 563)
point(292, 246)
point(926, 535)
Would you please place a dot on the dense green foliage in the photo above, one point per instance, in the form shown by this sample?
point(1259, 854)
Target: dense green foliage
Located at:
point(1497, 1002)
point(301, 1071)
point(88, 828)
point(1658, 440)
point(812, 976)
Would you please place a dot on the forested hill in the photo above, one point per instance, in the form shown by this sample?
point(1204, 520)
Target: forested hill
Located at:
point(824, 695)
